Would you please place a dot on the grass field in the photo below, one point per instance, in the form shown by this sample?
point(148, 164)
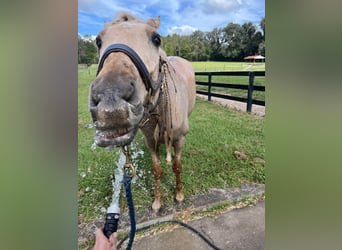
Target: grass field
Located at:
point(208, 156)
point(231, 66)
point(228, 66)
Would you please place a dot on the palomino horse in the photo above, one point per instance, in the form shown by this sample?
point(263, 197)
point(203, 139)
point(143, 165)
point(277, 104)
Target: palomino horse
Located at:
point(138, 86)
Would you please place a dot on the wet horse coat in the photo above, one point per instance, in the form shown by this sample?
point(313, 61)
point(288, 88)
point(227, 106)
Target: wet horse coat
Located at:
point(123, 98)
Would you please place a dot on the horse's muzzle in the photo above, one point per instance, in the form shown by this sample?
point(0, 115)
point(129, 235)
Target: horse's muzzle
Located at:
point(116, 125)
point(115, 137)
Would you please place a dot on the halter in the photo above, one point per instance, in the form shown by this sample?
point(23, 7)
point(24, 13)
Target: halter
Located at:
point(139, 64)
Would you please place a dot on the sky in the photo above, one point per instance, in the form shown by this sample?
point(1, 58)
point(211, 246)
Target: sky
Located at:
point(176, 16)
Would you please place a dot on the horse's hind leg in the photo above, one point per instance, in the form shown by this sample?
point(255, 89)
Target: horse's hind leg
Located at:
point(177, 167)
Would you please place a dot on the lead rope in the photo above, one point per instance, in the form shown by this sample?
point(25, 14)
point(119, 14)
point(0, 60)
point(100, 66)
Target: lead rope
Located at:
point(129, 173)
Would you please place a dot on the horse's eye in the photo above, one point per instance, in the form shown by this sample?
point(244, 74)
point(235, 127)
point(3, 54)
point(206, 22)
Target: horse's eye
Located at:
point(156, 39)
point(98, 42)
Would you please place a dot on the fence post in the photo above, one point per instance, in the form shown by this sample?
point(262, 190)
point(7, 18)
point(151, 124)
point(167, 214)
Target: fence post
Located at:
point(209, 86)
point(250, 92)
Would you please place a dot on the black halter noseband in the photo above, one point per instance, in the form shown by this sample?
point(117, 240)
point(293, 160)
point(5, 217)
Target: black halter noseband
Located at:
point(137, 62)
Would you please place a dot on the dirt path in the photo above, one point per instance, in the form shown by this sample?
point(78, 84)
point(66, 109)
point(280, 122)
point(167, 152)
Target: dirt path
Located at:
point(240, 106)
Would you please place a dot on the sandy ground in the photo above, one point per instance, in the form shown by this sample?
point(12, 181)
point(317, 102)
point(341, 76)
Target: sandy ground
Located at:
point(240, 106)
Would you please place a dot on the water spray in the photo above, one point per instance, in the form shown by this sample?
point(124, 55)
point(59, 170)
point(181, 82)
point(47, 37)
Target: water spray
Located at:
point(113, 211)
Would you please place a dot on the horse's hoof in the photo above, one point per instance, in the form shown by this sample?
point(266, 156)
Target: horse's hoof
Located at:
point(156, 206)
point(179, 197)
point(168, 159)
point(155, 213)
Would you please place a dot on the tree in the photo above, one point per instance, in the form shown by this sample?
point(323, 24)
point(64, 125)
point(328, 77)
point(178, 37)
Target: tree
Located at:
point(262, 25)
point(252, 39)
point(200, 49)
point(262, 44)
point(234, 42)
point(231, 43)
point(215, 40)
point(87, 52)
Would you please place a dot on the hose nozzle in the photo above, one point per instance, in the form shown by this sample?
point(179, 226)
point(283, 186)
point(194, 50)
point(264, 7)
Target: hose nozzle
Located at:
point(111, 224)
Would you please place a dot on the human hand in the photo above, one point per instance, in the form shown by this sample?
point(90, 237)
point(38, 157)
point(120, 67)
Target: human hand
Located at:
point(102, 243)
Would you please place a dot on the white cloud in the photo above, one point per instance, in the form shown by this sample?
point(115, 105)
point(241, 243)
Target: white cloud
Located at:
point(222, 6)
point(181, 17)
point(89, 38)
point(181, 30)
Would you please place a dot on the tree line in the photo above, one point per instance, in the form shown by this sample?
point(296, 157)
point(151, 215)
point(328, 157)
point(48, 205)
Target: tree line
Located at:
point(87, 51)
point(231, 43)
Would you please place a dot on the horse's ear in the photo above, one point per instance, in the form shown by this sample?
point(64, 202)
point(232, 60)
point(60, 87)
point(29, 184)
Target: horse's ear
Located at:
point(154, 22)
point(106, 25)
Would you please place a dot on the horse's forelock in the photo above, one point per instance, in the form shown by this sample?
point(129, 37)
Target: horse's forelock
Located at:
point(124, 17)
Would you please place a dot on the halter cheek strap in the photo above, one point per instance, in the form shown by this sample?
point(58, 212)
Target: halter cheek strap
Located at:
point(117, 47)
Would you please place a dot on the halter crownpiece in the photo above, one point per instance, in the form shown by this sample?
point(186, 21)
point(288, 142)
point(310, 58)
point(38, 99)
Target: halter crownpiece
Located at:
point(145, 75)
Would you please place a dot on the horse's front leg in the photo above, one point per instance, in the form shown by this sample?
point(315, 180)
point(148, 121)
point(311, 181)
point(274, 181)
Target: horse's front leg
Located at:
point(157, 171)
point(168, 153)
point(177, 168)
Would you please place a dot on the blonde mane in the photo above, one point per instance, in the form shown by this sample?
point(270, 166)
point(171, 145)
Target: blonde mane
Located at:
point(126, 17)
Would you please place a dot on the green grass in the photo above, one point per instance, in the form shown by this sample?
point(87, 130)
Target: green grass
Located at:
point(208, 159)
point(228, 66)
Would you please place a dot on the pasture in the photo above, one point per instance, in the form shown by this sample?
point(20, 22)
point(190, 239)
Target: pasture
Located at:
point(208, 155)
point(231, 66)
point(228, 66)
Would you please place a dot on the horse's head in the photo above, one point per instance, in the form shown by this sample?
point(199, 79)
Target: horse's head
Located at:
point(120, 91)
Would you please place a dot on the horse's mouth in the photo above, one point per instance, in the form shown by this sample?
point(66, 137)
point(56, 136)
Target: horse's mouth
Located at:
point(114, 137)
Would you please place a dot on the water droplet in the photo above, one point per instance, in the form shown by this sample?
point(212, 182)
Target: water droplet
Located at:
point(110, 147)
point(134, 179)
point(93, 146)
point(90, 125)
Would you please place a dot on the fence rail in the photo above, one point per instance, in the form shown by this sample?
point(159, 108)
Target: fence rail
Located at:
point(250, 87)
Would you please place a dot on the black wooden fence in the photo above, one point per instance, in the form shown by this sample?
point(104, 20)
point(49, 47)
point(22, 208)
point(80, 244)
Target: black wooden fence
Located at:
point(250, 87)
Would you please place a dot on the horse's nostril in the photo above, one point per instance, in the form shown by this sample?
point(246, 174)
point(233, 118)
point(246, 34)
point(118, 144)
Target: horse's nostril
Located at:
point(93, 111)
point(94, 101)
point(129, 91)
